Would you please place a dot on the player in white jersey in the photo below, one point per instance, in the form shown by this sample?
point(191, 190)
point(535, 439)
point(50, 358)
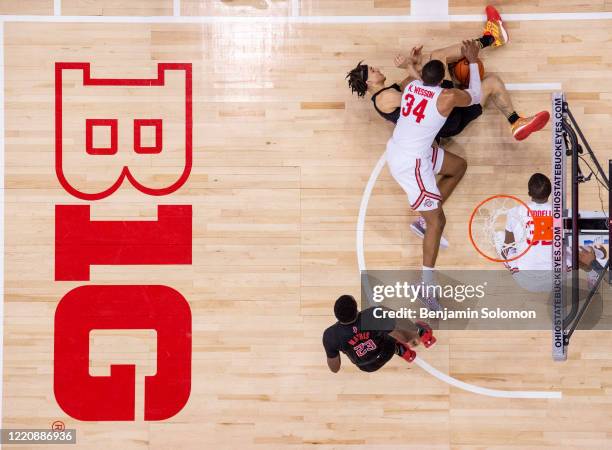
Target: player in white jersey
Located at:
point(414, 162)
point(364, 79)
point(532, 271)
point(537, 227)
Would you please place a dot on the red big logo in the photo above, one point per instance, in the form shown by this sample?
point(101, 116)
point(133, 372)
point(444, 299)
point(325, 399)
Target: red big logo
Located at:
point(81, 242)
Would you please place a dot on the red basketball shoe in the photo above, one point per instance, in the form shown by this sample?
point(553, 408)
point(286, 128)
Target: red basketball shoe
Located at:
point(495, 27)
point(426, 334)
point(522, 128)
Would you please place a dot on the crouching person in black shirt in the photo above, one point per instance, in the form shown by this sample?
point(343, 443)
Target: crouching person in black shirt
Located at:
point(367, 341)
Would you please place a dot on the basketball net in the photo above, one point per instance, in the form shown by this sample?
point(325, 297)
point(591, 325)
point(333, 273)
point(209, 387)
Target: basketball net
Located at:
point(487, 228)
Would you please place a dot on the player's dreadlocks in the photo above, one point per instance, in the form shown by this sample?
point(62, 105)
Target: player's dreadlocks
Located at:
point(357, 79)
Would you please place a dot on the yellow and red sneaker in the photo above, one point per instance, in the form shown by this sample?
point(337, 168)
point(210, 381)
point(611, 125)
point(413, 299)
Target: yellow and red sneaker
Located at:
point(495, 27)
point(524, 126)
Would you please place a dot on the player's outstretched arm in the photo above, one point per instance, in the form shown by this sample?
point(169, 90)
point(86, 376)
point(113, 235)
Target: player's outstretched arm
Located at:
point(452, 98)
point(470, 51)
point(410, 65)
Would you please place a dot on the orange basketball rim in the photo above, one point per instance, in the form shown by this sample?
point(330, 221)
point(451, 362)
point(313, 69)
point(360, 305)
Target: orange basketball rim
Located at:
point(491, 200)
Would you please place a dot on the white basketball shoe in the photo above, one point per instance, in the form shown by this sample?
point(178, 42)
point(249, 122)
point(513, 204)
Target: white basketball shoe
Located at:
point(419, 226)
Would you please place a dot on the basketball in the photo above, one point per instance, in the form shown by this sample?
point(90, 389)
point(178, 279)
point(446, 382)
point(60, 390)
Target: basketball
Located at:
point(461, 71)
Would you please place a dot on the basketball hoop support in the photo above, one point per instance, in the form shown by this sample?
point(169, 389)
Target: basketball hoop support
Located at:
point(564, 132)
point(559, 211)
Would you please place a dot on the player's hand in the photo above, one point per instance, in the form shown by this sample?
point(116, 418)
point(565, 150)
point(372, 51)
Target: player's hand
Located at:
point(400, 61)
point(470, 51)
point(586, 256)
point(416, 55)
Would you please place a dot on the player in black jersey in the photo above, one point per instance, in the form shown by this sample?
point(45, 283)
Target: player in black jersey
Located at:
point(387, 99)
point(367, 341)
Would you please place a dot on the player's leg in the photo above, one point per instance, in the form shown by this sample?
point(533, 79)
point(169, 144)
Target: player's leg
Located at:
point(494, 89)
point(451, 54)
point(408, 336)
point(447, 55)
point(452, 169)
point(404, 351)
point(494, 34)
point(425, 198)
point(435, 221)
point(417, 333)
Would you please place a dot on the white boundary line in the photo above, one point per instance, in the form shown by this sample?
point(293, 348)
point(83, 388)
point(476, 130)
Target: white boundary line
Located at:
point(533, 86)
point(176, 8)
point(1, 219)
point(305, 19)
point(429, 8)
point(57, 7)
point(363, 208)
point(295, 8)
point(484, 391)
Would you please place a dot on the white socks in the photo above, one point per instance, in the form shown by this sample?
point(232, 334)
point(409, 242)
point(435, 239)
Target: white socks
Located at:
point(428, 274)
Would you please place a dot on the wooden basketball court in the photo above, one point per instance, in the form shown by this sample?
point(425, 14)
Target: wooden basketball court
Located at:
point(279, 154)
